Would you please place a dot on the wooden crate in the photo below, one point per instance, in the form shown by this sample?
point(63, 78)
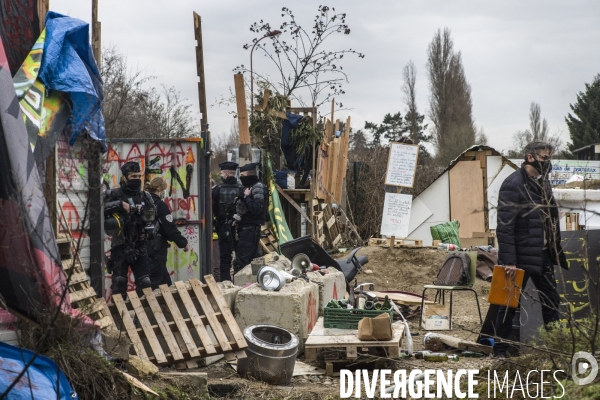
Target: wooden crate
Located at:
point(83, 297)
point(343, 344)
point(173, 325)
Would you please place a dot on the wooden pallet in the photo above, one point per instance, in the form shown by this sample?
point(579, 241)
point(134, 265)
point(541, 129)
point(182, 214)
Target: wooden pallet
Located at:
point(319, 225)
point(84, 297)
point(397, 242)
point(268, 242)
point(176, 324)
point(343, 344)
point(332, 231)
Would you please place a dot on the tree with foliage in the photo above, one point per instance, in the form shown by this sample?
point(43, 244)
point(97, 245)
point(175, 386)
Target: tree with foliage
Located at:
point(584, 123)
point(393, 128)
point(538, 131)
point(450, 106)
point(414, 120)
point(305, 63)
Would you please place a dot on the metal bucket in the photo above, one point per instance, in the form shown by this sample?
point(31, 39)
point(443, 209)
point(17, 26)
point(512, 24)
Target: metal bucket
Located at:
point(270, 356)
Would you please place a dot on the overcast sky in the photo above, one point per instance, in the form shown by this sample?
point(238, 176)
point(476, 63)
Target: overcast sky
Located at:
point(514, 52)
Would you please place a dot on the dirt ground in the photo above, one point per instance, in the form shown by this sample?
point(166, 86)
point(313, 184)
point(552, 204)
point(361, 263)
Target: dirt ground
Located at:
point(406, 269)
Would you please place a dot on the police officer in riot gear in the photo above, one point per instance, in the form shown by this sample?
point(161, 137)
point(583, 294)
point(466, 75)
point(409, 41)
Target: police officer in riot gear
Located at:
point(224, 198)
point(167, 231)
point(130, 218)
point(255, 200)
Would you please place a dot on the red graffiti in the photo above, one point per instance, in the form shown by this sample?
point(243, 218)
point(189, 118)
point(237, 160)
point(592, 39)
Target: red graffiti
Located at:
point(72, 217)
point(335, 293)
point(311, 312)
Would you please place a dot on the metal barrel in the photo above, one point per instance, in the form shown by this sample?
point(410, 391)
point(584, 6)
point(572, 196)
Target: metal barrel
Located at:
point(270, 356)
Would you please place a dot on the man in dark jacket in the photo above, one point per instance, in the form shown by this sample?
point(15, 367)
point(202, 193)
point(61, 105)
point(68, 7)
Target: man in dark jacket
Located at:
point(529, 235)
point(167, 232)
point(130, 219)
point(223, 206)
point(254, 207)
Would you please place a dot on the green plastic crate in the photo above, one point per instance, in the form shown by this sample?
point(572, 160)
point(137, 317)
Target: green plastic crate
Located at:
point(343, 318)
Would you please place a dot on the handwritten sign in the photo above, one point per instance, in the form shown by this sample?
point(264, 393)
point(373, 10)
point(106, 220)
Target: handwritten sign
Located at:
point(396, 215)
point(402, 163)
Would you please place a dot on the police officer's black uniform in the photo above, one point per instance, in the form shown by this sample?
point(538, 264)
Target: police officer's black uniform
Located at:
point(223, 205)
point(159, 246)
point(248, 229)
point(129, 231)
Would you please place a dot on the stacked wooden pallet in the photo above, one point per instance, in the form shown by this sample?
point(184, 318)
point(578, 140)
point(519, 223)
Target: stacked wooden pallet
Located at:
point(186, 321)
point(332, 161)
point(342, 346)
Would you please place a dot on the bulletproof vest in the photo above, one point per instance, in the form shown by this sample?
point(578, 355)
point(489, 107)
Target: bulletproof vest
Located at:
point(227, 195)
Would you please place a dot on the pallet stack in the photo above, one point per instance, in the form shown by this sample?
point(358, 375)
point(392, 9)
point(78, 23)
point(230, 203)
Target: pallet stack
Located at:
point(339, 348)
point(183, 322)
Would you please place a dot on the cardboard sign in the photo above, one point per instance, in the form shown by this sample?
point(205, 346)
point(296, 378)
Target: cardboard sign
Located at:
point(396, 215)
point(402, 164)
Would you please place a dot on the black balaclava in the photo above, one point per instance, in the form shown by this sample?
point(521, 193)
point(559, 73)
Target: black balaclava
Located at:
point(132, 186)
point(249, 180)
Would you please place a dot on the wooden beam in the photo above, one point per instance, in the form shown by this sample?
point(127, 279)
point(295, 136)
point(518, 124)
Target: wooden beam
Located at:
point(242, 111)
point(96, 35)
point(265, 103)
point(293, 203)
point(200, 71)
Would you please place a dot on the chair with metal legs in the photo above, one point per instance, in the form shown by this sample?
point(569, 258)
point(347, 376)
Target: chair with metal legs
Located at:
point(441, 290)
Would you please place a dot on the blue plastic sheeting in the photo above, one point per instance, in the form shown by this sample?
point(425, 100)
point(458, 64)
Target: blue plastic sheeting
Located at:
point(69, 66)
point(39, 382)
point(289, 151)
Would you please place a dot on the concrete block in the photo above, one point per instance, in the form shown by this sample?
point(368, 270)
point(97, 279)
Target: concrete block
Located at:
point(198, 380)
point(230, 292)
point(331, 286)
point(294, 307)
point(244, 276)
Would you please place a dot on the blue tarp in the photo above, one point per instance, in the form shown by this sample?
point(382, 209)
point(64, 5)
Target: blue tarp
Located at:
point(40, 380)
point(290, 153)
point(68, 65)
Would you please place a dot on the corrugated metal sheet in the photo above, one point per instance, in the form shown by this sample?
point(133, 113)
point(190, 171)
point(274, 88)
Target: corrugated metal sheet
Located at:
point(177, 162)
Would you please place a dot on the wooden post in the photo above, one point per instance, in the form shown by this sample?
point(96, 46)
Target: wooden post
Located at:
point(204, 163)
point(96, 270)
point(96, 35)
point(242, 112)
point(42, 9)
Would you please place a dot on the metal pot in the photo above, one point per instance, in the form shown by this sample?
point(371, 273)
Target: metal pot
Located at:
point(270, 356)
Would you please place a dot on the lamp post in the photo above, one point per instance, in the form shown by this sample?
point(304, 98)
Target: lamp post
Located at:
point(268, 34)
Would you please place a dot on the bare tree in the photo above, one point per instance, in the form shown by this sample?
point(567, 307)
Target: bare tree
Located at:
point(134, 109)
point(301, 57)
point(538, 131)
point(450, 103)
